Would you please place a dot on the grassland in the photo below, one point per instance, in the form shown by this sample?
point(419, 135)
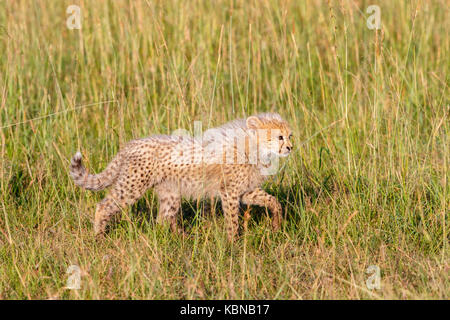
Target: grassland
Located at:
point(366, 185)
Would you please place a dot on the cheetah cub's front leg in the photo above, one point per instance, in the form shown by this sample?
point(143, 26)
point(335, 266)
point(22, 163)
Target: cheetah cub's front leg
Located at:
point(261, 198)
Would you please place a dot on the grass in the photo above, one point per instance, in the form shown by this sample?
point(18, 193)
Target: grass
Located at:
point(366, 185)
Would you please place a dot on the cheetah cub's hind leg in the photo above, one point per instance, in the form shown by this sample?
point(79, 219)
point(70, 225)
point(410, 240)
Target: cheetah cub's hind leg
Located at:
point(230, 207)
point(169, 206)
point(106, 210)
point(122, 195)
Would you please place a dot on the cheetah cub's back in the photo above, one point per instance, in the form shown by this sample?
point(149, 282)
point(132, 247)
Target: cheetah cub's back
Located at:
point(230, 162)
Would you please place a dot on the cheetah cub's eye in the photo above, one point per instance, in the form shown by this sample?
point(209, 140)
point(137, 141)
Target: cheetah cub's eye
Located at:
point(280, 137)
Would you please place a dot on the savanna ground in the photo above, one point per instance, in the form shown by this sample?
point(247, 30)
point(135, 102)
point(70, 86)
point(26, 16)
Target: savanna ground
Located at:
point(366, 184)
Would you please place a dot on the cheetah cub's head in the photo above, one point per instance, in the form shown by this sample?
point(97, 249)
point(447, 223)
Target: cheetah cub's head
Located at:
point(272, 134)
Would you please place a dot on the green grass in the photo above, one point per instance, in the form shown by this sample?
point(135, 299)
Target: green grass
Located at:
point(366, 185)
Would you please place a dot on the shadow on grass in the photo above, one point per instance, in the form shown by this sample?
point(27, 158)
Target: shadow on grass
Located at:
point(293, 199)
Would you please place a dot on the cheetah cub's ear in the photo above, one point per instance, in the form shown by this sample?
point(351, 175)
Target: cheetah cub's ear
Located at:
point(253, 122)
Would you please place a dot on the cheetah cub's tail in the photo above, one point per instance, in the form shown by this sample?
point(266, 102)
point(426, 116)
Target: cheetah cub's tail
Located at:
point(94, 182)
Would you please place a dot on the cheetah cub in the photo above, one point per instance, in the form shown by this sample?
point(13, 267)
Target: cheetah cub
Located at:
point(230, 162)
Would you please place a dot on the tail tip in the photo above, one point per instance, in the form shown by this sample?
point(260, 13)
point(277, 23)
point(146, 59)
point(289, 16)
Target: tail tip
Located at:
point(77, 157)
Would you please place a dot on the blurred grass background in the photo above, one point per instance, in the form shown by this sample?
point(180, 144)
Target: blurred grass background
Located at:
point(366, 185)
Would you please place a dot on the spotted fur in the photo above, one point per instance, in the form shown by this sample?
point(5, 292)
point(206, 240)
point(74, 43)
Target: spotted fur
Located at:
point(192, 167)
